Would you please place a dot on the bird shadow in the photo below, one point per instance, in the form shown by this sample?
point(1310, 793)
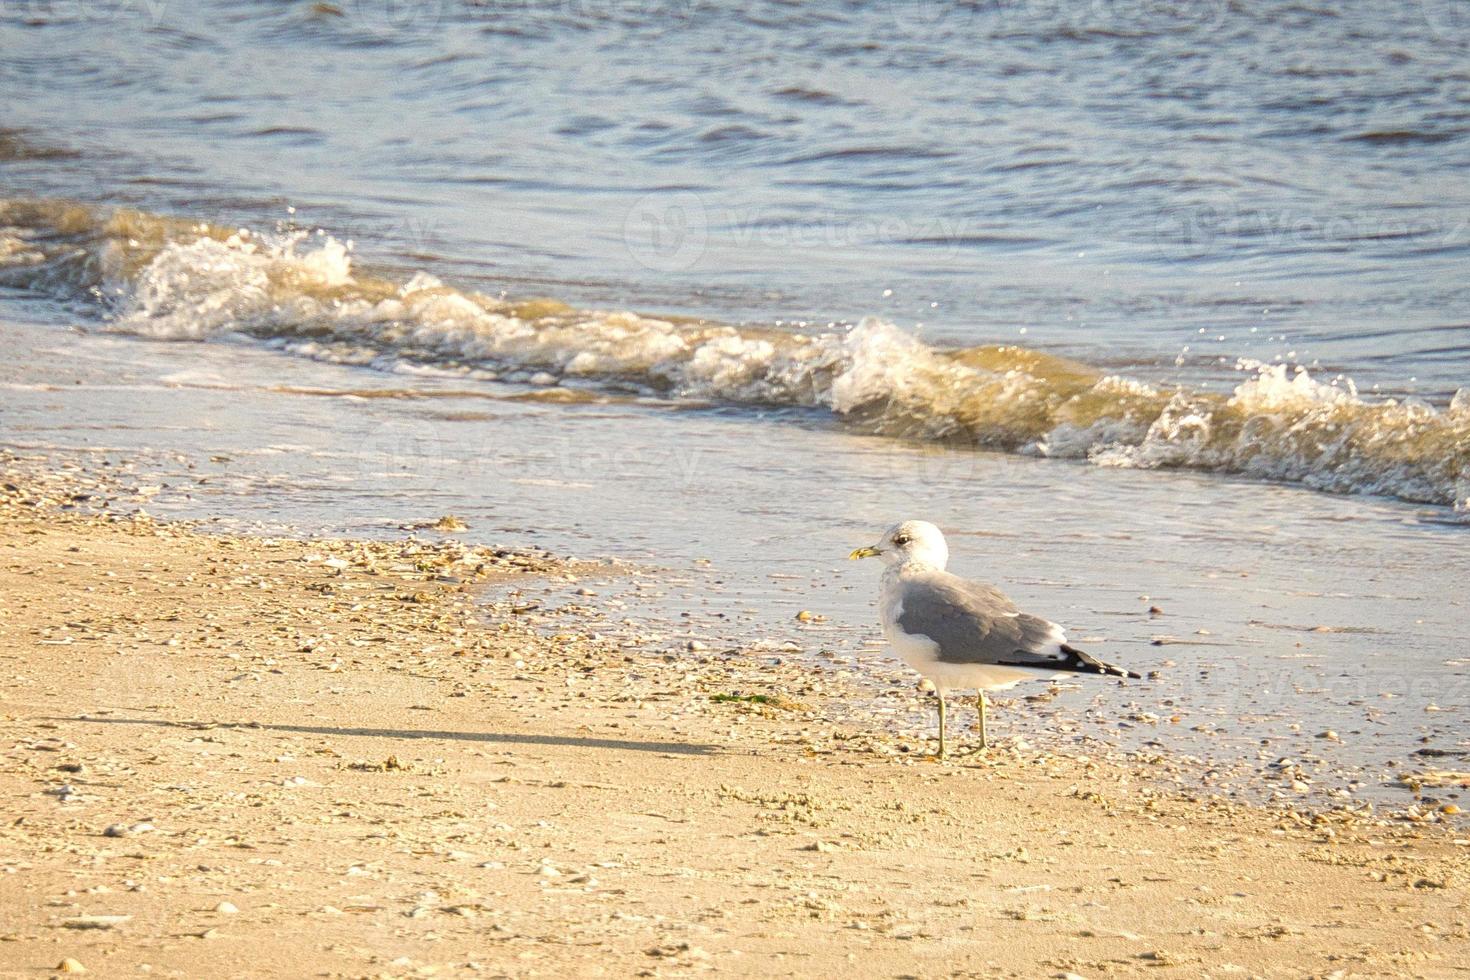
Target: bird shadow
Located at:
point(500, 738)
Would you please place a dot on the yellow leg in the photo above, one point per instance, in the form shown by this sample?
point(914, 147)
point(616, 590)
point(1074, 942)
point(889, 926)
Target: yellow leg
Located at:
point(940, 695)
point(980, 704)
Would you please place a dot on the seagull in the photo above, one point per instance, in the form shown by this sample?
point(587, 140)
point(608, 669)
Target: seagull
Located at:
point(961, 634)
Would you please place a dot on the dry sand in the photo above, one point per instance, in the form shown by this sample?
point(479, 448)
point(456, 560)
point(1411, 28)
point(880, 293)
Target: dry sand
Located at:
point(231, 756)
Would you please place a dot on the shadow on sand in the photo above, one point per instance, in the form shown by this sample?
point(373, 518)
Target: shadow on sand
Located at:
point(502, 738)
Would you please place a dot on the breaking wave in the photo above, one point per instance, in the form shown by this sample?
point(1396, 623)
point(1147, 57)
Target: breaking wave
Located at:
point(168, 278)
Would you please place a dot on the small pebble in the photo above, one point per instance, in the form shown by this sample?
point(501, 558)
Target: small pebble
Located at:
point(124, 830)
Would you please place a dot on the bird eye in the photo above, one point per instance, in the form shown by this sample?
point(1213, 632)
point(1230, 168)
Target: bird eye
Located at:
point(902, 540)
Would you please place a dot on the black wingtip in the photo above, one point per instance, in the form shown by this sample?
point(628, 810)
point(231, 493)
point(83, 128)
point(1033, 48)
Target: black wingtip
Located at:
point(1084, 662)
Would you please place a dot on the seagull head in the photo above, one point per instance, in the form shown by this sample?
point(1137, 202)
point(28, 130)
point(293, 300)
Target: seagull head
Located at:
point(911, 541)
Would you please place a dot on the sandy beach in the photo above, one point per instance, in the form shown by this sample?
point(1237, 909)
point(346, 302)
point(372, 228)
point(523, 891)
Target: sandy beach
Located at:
point(228, 755)
point(432, 436)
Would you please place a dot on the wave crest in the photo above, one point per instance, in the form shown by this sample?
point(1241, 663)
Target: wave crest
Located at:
point(164, 278)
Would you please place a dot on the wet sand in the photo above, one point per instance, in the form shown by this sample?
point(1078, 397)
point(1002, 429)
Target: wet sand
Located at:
point(228, 754)
point(1261, 616)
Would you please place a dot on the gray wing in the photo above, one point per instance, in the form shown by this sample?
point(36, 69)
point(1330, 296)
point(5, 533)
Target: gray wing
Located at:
point(975, 623)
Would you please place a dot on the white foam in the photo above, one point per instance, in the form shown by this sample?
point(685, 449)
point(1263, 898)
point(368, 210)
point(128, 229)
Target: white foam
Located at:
point(304, 295)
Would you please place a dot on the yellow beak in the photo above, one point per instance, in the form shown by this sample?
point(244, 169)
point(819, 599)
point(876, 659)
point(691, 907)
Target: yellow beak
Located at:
point(863, 553)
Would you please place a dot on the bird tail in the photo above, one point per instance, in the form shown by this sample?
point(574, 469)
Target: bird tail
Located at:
point(1086, 663)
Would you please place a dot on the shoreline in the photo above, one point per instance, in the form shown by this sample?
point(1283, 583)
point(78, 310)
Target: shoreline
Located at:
point(1212, 738)
point(1275, 619)
point(335, 757)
